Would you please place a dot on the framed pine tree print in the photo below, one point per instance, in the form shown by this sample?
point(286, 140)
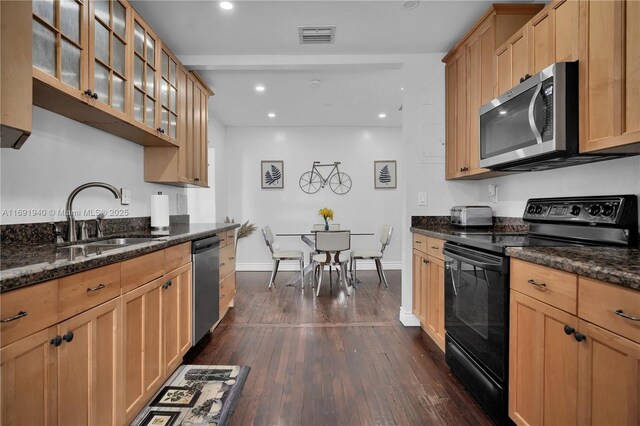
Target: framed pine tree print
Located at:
point(385, 174)
point(272, 172)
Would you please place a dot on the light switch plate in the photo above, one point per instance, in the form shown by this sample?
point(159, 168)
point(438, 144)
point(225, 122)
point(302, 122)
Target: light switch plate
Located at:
point(125, 196)
point(422, 198)
point(181, 203)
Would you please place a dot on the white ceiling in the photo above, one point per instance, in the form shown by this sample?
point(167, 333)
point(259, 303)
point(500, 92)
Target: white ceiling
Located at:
point(242, 44)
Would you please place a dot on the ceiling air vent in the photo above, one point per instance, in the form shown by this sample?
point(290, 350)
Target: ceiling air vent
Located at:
point(317, 35)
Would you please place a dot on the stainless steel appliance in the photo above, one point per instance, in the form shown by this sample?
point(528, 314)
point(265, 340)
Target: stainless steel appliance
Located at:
point(471, 216)
point(534, 126)
point(477, 283)
point(206, 285)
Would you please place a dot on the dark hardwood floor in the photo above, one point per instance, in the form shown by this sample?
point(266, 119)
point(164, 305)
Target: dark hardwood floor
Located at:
point(335, 359)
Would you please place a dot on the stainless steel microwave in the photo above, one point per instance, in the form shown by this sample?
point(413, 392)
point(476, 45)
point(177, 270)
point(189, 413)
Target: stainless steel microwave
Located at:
point(534, 125)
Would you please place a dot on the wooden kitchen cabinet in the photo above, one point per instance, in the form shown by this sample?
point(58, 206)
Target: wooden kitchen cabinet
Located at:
point(428, 286)
point(187, 164)
point(16, 92)
point(30, 380)
point(471, 81)
point(177, 316)
point(543, 372)
point(142, 324)
point(512, 61)
point(89, 367)
point(572, 369)
point(227, 272)
point(610, 76)
point(145, 76)
point(65, 374)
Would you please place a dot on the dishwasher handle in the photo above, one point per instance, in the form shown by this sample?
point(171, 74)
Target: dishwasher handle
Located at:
point(205, 244)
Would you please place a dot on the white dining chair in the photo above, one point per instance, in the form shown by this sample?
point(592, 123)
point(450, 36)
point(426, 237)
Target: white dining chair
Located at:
point(278, 255)
point(375, 255)
point(330, 246)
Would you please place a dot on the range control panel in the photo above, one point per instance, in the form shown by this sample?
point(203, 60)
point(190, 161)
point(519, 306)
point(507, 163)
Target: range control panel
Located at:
point(608, 210)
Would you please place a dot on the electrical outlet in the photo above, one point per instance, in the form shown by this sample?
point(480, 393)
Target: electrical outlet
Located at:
point(181, 204)
point(493, 193)
point(125, 196)
point(422, 198)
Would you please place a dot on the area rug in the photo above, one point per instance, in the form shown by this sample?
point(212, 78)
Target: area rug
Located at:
point(195, 395)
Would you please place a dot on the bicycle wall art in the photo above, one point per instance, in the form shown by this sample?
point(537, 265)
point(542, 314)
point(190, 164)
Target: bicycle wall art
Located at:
point(272, 174)
point(322, 174)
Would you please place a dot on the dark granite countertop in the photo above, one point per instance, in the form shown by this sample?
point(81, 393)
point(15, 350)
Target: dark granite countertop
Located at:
point(611, 264)
point(22, 265)
point(615, 265)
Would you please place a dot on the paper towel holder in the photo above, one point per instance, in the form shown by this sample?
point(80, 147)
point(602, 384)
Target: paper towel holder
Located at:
point(160, 230)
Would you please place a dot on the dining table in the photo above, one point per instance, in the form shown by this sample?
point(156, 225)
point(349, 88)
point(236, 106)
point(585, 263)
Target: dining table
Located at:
point(309, 240)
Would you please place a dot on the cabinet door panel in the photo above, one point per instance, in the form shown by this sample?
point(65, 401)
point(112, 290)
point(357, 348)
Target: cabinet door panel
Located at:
point(417, 289)
point(541, 43)
point(176, 307)
point(461, 113)
point(436, 300)
point(632, 82)
point(145, 74)
point(451, 144)
point(543, 368)
point(565, 30)
point(609, 385)
point(520, 58)
point(29, 380)
point(503, 70)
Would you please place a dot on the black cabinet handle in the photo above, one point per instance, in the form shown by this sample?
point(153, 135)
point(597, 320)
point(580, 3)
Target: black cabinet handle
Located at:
point(160, 129)
point(621, 313)
point(579, 337)
point(569, 330)
point(15, 317)
point(167, 284)
point(56, 341)
point(541, 286)
point(100, 287)
point(68, 337)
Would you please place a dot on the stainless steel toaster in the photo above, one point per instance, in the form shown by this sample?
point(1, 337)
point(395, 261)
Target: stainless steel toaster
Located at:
point(471, 216)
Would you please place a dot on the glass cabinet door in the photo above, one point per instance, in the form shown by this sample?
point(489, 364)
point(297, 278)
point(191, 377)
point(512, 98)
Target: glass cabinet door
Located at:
point(144, 74)
point(59, 39)
point(169, 95)
point(109, 55)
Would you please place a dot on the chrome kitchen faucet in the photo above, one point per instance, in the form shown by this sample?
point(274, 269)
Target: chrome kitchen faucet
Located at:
point(71, 221)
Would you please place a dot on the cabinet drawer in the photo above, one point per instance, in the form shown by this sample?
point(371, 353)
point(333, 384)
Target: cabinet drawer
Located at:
point(231, 237)
point(80, 292)
point(598, 301)
point(227, 291)
point(434, 247)
point(223, 239)
point(33, 308)
point(420, 242)
point(227, 260)
point(557, 288)
point(142, 270)
point(176, 256)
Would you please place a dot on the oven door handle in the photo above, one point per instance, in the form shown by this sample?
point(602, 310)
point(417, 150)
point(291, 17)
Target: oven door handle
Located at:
point(532, 121)
point(484, 265)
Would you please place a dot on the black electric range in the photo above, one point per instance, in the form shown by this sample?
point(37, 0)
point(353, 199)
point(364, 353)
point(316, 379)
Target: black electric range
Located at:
point(477, 283)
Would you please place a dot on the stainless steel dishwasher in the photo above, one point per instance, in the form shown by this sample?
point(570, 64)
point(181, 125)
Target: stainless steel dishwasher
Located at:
point(206, 285)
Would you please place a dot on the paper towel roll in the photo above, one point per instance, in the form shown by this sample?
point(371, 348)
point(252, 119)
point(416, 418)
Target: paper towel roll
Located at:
point(159, 211)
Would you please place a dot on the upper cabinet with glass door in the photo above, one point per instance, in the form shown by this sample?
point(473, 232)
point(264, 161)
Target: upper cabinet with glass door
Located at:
point(169, 94)
point(59, 46)
point(108, 70)
point(145, 75)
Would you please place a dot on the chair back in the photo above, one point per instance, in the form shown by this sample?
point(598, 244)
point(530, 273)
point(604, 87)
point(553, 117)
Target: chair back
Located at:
point(332, 227)
point(333, 241)
point(385, 236)
point(268, 238)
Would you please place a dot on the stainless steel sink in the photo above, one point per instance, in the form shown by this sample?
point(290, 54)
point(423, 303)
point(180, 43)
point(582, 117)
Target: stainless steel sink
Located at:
point(114, 243)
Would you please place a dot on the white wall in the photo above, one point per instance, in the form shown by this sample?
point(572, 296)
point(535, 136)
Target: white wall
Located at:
point(290, 210)
point(423, 153)
point(61, 154)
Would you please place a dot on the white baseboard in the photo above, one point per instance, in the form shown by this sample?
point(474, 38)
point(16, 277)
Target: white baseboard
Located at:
point(363, 265)
point(408, 319)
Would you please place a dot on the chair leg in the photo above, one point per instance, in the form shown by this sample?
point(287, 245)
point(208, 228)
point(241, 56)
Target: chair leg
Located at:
point(321, 269)
point(354, 273)
point(381, 272)
point(272, 282)
point(302, 273)
point(345, 281)
point(378, 270)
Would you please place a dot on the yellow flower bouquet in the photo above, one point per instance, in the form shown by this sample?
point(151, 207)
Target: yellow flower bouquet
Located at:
point(327, 214)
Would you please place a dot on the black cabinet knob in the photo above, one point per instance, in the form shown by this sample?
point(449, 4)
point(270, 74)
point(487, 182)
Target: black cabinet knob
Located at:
point(569, 330)
point(95, 95)
point(68, 337)
point(580, 337)
point(56, 341)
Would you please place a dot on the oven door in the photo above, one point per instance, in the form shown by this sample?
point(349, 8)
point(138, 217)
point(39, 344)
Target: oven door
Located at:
point(476, 305)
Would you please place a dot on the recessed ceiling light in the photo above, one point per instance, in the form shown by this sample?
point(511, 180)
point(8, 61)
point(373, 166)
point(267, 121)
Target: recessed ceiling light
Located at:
point(402, 88)
point(272, 115)
point(259, 88)
point(314, 84)
point(410, 4)
point(382, 115)
point(226, 5)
